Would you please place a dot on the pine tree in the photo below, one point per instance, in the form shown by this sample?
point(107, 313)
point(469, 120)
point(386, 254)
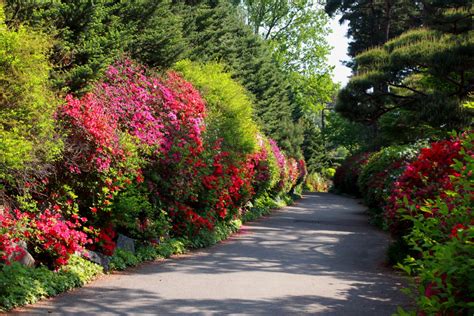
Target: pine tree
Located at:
point(425, 73)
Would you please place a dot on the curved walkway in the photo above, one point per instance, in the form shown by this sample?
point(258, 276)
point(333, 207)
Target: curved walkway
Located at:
point(317, 257)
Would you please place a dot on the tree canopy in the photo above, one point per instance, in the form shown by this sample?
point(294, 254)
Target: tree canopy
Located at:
point(418, 77)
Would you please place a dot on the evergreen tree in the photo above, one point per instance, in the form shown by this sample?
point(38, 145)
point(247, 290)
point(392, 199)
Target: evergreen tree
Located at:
point(425, 74)
point(372, 23)
point(218, 33)
point(92, 34)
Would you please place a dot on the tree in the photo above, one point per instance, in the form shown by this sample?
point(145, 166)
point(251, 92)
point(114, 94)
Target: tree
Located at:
point(218, 33)
point(296, 29)
point(372, 23)
point(425, 73)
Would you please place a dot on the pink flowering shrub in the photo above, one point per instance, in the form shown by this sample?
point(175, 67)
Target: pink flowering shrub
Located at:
point(129, 121)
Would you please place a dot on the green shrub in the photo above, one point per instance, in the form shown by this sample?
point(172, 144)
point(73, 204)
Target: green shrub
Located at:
point(171, 246)
point(262, 205)
point(221, 231)
point(329, 172)
point(377, 177)
point(27, 104)
point(382, 169)
point(316, 183)
point(123, 259)
point(136, 217)
point(229, 106)
point(20, 285)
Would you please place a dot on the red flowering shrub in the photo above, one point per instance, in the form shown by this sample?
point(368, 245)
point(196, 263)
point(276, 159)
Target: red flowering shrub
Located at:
point(56, 237)
point(428, 176)
point(441, 233)
point(138, 160)
point(129, 120)
point(346, 176)
point(12, 230)
point(105, 240)
point(51, 238)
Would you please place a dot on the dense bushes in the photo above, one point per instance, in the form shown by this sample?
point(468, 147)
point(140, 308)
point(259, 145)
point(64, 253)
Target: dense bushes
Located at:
point(427, 199)
point(146, 157)
point(441, 225)
point(377, 177)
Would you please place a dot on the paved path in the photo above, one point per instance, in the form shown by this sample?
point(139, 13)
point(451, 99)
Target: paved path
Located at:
point(317, 257)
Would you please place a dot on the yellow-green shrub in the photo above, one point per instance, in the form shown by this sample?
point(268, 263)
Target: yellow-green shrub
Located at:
point(26, 102)
point(229, 106)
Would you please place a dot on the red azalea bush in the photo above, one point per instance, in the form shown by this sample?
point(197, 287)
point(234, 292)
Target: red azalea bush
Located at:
point(51, 238)
point(347, 174)
point(12, 229)
point(129, 120)
point(426, 177)
point(442, 229)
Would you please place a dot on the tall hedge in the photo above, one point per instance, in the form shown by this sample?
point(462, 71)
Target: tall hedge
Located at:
point(229, 106)
point(26, 102)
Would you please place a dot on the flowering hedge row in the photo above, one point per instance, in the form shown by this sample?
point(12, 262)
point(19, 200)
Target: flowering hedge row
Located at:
point(141, 158)
point(427, 199)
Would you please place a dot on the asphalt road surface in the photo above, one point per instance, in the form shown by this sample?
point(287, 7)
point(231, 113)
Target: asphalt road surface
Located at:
point(317, 257)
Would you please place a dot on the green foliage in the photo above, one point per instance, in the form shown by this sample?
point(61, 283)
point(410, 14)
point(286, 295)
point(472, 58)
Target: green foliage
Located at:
point(315, 182)
point(20, 285)
point(382, 169)
point(296, 29)
point(228, 104)
point(446, 279)
point(135, 216)
point(221, 231)
point(171, 246)
point(442, 237)
point(372, 23)
point(26, 103)
point(122, 259)
point(92, 34)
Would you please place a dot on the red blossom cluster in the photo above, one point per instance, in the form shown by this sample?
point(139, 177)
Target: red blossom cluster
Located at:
point(11, 232)
point(430, 175)
point(48, 234)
